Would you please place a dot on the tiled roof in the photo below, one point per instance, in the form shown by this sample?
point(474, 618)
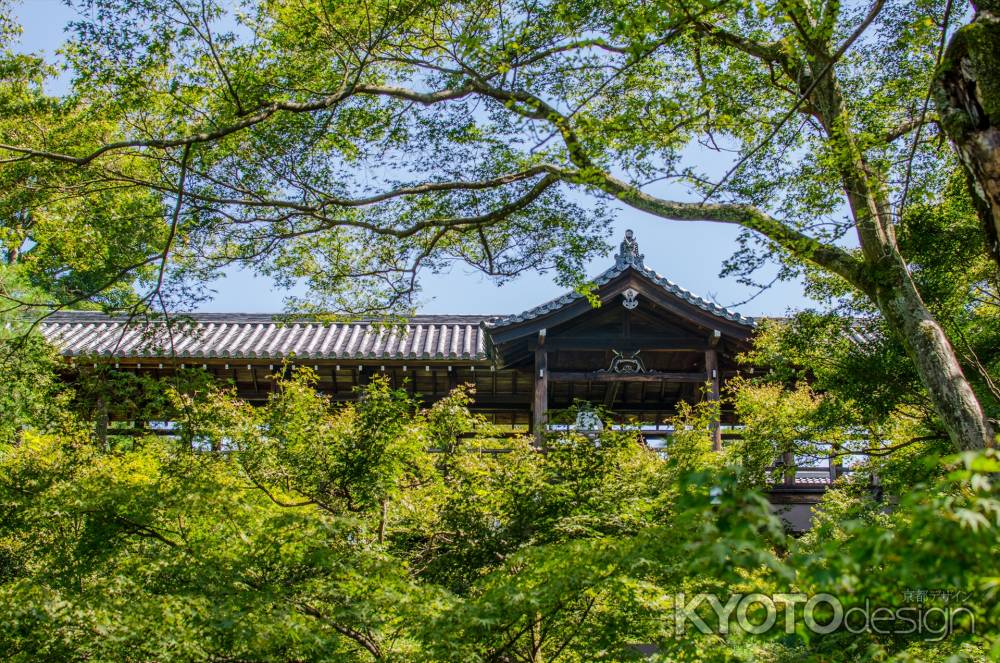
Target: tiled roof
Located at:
point(861, 331)
point(253, 336)
point(220, 335)
point(812, 480)
point(622, 264)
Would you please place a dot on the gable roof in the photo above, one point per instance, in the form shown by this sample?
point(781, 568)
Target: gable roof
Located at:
point(422, 337)
point(612, 273)
point(628, 258)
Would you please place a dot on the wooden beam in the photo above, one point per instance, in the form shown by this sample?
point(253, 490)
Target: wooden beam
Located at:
point(712, 370)
point(653, 376)
point(649, 343)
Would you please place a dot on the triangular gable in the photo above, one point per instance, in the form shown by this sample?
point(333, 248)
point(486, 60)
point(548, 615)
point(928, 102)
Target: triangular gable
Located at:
point(629, 279)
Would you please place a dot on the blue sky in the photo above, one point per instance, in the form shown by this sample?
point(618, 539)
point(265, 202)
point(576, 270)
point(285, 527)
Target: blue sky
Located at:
point(690, 254)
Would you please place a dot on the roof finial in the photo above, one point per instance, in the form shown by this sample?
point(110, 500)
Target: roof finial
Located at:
point(628, 252)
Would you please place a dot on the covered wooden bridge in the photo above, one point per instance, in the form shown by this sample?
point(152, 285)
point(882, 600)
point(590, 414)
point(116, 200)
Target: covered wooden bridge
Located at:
point(647, 346)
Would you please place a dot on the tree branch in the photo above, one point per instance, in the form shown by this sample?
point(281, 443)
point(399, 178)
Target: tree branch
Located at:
point(772, 52)
point(262, 114)
point(794, 241)
point(909, 125)
point(358, 637)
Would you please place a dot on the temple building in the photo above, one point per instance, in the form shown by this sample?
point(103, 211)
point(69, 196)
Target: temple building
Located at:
point(649, 345)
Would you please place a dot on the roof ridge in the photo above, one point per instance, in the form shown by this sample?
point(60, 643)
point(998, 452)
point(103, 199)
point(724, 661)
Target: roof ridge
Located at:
point(698, 299)
point(608, 275)
point(274, 318)
point(627, 257)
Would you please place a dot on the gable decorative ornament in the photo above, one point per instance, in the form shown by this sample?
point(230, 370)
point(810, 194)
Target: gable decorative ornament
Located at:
point(630, 301)
point(625, 365)
point(628, 253)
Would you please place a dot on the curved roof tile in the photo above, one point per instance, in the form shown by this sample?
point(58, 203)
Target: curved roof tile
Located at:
point(236, 336)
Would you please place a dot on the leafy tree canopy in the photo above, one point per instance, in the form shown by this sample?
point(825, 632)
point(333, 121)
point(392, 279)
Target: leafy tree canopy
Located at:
point(376, 530)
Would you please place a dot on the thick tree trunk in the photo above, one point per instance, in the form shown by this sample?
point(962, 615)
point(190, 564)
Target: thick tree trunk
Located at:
point(892, 288)
point(937, 365)
point(880, 271)
point(967, 95)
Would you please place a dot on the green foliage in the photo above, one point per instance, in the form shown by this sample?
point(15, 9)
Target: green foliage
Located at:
point(350, 145)
point(836, 375)
point(194, 137)
point(377, 530)
point(78, 237)
point(31, 393)
point(940, 536)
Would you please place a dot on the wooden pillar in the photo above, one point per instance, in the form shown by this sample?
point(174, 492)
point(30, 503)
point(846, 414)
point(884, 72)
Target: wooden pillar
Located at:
point(836, 465)
point(540, 404)
point(712, 369)
point(101, 425)
point(788, 474)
